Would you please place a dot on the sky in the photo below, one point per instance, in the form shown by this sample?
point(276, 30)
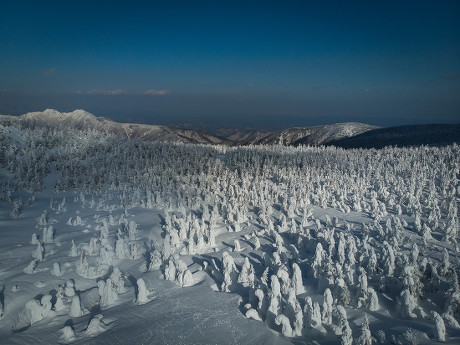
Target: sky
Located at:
point(266, 64)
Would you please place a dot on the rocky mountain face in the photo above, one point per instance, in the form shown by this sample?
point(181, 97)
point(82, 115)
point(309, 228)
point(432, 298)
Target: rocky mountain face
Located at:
point(80, 119)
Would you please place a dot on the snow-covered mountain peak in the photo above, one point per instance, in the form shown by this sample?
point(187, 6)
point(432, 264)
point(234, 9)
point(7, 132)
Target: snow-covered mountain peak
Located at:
point(80, 113)
point(83, 120)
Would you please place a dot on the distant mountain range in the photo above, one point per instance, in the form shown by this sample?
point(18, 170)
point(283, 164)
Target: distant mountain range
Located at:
point(346, 135)
point(80, 119)
point(415, 135)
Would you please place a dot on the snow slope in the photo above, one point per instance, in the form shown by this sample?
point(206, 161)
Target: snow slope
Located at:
point(82, 120)
point(260, 245)
point(314, 136)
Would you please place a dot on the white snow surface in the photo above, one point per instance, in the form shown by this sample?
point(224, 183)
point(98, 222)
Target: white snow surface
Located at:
point(326, 210)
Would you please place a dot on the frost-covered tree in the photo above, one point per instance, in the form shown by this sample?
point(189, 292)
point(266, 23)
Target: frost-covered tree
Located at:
point(155, 260)
point(142, 292)
point(253, 314)
point(294, 313)
point(236, 246)
point(48, 234)
point(312, 314)
point(68, 335)
point(229, 271)
point(414, 253)
point(389, 259)
point(93, 247)
point(440, 328)
point(117, 279)
point(75, 309)
point(366, 337)
point(363, 287)
point(170, 270)
point(246, 276)
point(134, 251)
point(342, 327)
point(373, 300)
point(56, 270)
point(121, 248)
point(107, 292)
point(16, 211)
point(60, 297)
point(343, 295)
point(445, 262)
point(132, 230)
point(187, 278)
point(69, 288)
point(319, 257)
point(31, 267)
point(451, 232)
point(407, 304)
point(39, 252)
point(286, 328)
point(34, 239)
point(83, 265)
point(285, 281)
point(43, 219)
point(74, 250)
point(297, 281)
point(32, 313)
point(327, 307)
point(274, 307)
point(95, 326)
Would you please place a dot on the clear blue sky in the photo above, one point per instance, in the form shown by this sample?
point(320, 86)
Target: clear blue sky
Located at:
point(231, 63)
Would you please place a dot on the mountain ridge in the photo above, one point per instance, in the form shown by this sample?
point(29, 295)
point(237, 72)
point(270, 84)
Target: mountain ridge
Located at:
point(83, 120)
point(401, 136)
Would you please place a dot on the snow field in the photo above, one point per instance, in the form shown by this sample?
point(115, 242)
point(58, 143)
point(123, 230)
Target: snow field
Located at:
point(119, 241)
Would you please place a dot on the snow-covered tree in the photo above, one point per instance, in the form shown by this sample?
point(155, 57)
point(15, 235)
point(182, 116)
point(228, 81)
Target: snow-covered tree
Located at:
point(68, 335)
point(246, 276)
point(74, 250)
point(229, 271)
point(297, 281)
point(39, 252)
point(286, 328)
point(142, 292)
point(319, 257)
point(48, 234)
point(56, 270)
point(75, 309)
point(407, 304)
point(327, 307)
point(440, 328)
point(445, 262)
point(373, 300)
point(366, 337)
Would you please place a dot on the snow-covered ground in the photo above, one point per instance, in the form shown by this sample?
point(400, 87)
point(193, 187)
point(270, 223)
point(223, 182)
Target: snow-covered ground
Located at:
point(117, 241)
